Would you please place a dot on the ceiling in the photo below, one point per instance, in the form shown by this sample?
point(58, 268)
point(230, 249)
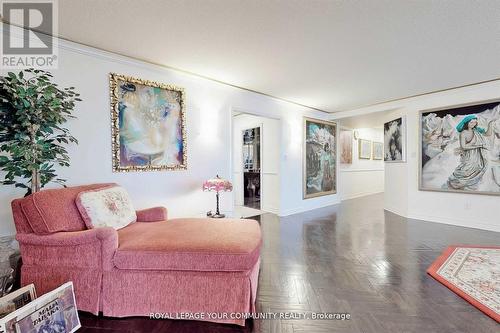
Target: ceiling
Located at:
point(369, 120)
point(329, 55)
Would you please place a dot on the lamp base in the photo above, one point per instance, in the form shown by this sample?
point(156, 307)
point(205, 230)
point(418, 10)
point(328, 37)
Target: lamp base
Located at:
point(217, 214)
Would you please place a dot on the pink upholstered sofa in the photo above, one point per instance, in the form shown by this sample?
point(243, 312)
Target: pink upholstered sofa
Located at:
point(155, 265)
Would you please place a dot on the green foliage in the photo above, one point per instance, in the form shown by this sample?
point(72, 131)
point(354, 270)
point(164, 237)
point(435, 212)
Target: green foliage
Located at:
point(32, 112)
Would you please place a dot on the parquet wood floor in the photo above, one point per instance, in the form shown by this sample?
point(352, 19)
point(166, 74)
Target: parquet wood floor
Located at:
point(352, 258)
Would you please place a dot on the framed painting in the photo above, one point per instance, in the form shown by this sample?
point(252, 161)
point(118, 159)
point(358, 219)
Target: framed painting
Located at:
point(320, 158)
point(460, 149)
point(345, 141)
point(395, 140)
point(365, 149)
point(148, 125)
point(378, 151)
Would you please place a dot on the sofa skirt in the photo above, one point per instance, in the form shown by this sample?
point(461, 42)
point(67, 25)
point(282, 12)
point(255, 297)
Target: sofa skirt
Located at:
point(222, 297)
point(86, 283)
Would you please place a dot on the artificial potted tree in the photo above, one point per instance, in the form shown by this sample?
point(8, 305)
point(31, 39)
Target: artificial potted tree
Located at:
point(33, 110)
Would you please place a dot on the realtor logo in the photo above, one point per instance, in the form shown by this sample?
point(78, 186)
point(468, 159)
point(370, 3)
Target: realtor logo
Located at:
point(28, 28)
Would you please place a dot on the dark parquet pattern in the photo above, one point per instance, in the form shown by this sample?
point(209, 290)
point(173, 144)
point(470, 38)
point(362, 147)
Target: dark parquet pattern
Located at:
point(351, 258)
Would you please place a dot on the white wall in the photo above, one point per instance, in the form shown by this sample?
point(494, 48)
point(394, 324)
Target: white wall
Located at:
point(402, 195)
point(362, 177)
point(208, 109)
point(270, 159)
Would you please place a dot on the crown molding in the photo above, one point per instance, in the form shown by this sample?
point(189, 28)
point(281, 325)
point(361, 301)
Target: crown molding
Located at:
point(93, 51)
point(89, 50)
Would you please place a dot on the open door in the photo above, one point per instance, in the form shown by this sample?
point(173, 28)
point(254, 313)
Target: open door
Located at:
point(251, 167)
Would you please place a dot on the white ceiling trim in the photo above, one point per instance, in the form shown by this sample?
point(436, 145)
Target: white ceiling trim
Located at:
point(99, 53)
point(124, 59)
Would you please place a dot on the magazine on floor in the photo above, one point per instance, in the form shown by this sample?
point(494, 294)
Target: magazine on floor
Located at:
point(54, 311)
point(16, 300)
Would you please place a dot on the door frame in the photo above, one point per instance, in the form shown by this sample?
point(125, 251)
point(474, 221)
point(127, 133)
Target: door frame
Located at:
point(235, 111)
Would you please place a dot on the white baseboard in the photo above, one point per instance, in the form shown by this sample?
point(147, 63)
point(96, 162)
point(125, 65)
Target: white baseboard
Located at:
point(359, 195)
point(269, 209)
point(299, 210)
point(483, 225)
point(445, 220)
point(396, 211)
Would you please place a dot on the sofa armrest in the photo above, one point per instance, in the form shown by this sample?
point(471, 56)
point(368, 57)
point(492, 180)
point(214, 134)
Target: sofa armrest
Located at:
point(154, 214)
point(93, 248)
point(69, 238)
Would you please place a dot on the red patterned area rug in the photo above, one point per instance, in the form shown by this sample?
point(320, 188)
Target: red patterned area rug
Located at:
point(473, 272)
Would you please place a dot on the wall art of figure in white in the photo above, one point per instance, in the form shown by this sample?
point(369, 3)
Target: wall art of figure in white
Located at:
point(460, 149)
point(474, 146)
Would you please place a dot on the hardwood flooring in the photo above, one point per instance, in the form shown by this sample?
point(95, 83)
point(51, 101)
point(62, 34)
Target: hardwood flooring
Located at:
point(352, 258)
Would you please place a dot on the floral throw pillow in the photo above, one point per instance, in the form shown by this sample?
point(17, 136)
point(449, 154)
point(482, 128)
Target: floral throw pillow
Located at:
point(106, 207)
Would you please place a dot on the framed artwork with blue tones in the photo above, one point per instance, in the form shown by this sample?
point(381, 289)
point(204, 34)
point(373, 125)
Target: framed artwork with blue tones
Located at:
point(460, 149)
point(320, 158)
point(148, 125)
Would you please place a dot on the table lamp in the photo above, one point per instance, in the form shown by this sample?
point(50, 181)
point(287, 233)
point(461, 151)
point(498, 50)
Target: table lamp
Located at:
point(217, 184)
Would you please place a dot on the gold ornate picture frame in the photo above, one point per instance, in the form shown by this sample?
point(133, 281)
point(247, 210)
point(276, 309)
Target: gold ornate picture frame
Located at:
point(148, 125)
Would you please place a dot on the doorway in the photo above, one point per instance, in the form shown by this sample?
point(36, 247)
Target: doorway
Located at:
point(362, 168)
point(255, 164)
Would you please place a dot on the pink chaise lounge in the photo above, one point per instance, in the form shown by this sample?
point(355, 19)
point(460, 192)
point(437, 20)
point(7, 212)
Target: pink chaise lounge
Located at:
point(154, 265)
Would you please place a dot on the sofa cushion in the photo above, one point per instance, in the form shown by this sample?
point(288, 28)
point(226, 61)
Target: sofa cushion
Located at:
point(106, 207)
point(22, 224)
point(189, 244)
point(55, 210)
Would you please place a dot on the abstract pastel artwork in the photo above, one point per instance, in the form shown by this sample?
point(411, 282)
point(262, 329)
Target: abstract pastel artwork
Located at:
point(394, 140)
point(365, 149)
point(320, 158)
point(345, 142)
point(460, 149)
point(378, 150)
point(148, 125)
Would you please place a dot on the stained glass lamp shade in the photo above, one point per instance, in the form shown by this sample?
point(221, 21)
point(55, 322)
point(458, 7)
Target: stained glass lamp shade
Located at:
point(217, 184)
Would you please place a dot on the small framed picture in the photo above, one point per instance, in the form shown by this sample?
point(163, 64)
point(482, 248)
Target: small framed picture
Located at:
point(345, 143)
point(365, 149)
point(378, 150)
